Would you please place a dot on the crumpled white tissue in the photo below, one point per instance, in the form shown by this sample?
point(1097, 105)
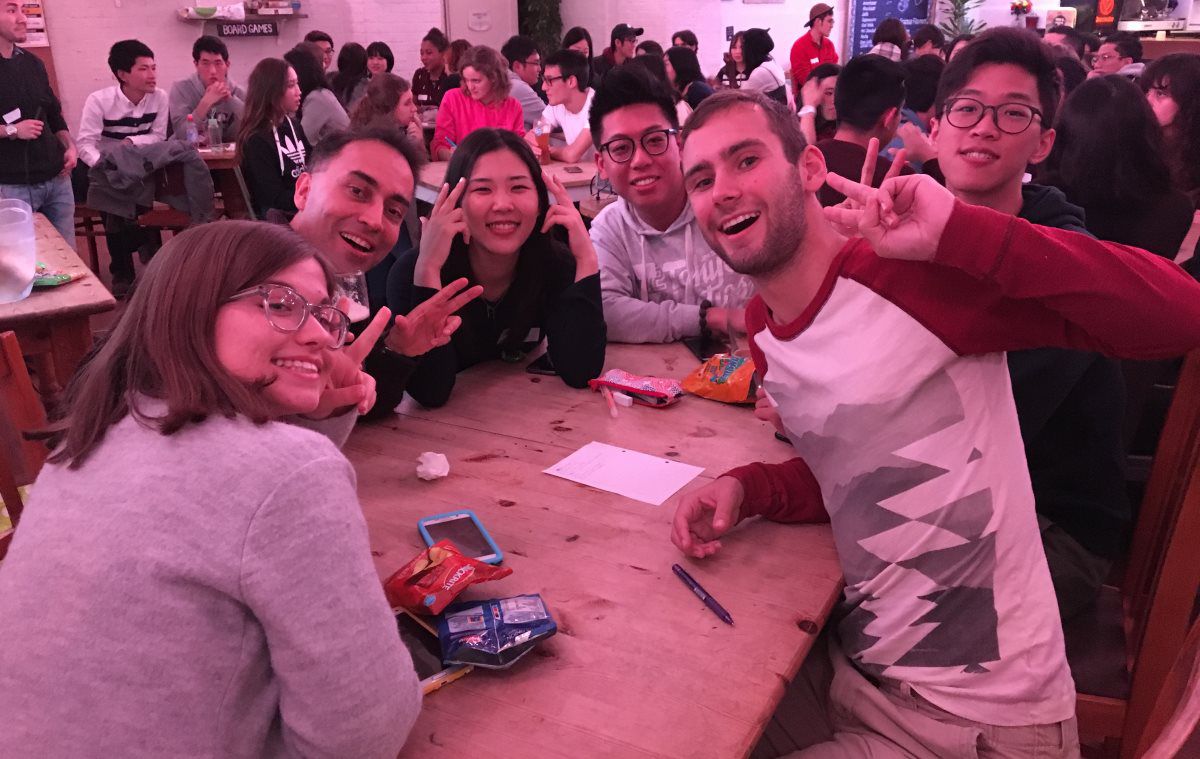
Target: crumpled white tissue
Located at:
point(432, 466)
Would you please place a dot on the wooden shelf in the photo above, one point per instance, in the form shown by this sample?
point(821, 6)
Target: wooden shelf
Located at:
point(274, 16)
point(251, 18)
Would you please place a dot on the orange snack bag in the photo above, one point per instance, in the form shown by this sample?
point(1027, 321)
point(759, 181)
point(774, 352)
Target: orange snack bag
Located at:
point(435, 577)
point(725, 378)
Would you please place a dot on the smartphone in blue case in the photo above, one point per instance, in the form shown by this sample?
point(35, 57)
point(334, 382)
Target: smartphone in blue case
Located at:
point(465, 531)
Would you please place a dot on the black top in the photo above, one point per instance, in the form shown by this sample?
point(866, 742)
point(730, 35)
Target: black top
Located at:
point(427, 91)
point(271, 163)
point(1157, 225)
point(390, 370)
point(567, 313)
point(730, 77)
point(1071, 407)
point(696, 92)
point(25, 87)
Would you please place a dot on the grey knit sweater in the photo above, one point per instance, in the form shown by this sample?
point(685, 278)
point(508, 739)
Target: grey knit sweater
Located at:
point(204, 594)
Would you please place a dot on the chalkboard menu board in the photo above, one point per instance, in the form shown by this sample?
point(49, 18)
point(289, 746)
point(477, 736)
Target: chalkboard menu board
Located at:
point(865, 15)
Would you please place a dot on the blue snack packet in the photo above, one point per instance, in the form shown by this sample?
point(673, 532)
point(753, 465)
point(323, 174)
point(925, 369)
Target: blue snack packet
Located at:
point(493, 633)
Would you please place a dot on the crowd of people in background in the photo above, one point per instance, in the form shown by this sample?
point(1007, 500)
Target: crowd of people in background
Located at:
point(1066, 143)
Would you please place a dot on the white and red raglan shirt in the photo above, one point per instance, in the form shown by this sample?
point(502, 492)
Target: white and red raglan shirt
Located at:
point(894, 390)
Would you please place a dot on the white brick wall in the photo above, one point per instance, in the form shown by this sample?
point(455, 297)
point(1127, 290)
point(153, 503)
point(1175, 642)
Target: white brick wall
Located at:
point(81, 32)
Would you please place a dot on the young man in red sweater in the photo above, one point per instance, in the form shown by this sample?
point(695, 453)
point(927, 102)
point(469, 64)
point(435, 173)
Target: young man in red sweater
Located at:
point(885, 355)
point(814, 47)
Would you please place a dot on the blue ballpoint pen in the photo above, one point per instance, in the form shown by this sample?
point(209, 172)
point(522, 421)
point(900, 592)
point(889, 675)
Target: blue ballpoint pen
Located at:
point(702, 594)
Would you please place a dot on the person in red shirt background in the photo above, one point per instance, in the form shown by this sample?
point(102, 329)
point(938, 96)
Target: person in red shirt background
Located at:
point(814, 47)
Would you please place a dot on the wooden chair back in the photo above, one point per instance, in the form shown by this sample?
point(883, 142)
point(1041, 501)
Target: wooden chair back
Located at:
point(20, 411)
point(1163, 577)
point(90, 226)
point(1174, 725)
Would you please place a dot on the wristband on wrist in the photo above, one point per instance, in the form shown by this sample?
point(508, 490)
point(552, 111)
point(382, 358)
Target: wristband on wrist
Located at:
point(705, 332)
point(807, 110)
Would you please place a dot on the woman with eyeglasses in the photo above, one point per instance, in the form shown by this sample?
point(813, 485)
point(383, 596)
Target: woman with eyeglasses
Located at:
point(491, 223)
point(191, 554)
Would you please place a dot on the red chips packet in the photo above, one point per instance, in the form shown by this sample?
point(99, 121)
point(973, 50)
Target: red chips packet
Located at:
point(435, 577)
point(656, 392)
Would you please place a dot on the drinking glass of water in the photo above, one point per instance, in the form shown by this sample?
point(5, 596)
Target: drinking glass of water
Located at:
point(351, 295)
point(18, 256)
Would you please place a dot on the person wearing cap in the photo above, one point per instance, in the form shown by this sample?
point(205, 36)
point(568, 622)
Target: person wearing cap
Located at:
point(814, 47)
point(622, 47)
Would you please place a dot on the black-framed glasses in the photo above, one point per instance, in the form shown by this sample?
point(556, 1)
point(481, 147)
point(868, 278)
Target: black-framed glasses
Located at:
point(552, 79)
point(657, 142)
point(535, 62)
point(286, 310)
point(1010, 118)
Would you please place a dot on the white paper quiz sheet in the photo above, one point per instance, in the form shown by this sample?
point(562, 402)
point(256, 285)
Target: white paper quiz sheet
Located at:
point(639, 476)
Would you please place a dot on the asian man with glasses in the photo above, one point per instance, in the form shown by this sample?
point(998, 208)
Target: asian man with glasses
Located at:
point(996, 102)
point(660, 280)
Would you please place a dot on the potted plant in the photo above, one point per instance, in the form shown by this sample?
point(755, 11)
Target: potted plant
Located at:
point(956, 20)
point(541, 20)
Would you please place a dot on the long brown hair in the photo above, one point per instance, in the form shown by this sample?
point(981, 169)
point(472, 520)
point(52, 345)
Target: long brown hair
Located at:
point(163, 345)
point(264, 91)
point(492, 66)
point(454, 55)
point(379, 104)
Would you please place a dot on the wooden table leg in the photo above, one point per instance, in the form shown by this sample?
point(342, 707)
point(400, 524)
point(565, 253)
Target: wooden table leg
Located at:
point(70, 341)
point(232, 195)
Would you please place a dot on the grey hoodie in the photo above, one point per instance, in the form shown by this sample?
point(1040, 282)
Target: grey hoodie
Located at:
point(652, 282)
point(186, 95)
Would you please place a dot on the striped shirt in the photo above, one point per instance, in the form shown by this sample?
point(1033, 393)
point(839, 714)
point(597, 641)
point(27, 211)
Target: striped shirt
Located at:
point(109, 117)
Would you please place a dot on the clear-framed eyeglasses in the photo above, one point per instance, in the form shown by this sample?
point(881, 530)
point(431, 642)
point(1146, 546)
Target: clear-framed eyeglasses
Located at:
point(286, 310)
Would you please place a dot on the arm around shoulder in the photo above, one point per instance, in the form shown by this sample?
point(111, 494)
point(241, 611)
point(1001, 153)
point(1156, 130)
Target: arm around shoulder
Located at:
point(1065, 289)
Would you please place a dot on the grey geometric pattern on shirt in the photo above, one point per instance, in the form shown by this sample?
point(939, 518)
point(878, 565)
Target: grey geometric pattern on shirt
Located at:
point(895, 531)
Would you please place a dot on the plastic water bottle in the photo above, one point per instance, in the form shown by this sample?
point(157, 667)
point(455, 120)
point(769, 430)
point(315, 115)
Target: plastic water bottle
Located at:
point(192, 136)
point(215, 138)
point(18, 256)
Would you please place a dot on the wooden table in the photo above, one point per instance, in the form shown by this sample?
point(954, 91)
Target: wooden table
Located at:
point(639, 668)
point(228, 181)
point(578, 184)
point(52, 323)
